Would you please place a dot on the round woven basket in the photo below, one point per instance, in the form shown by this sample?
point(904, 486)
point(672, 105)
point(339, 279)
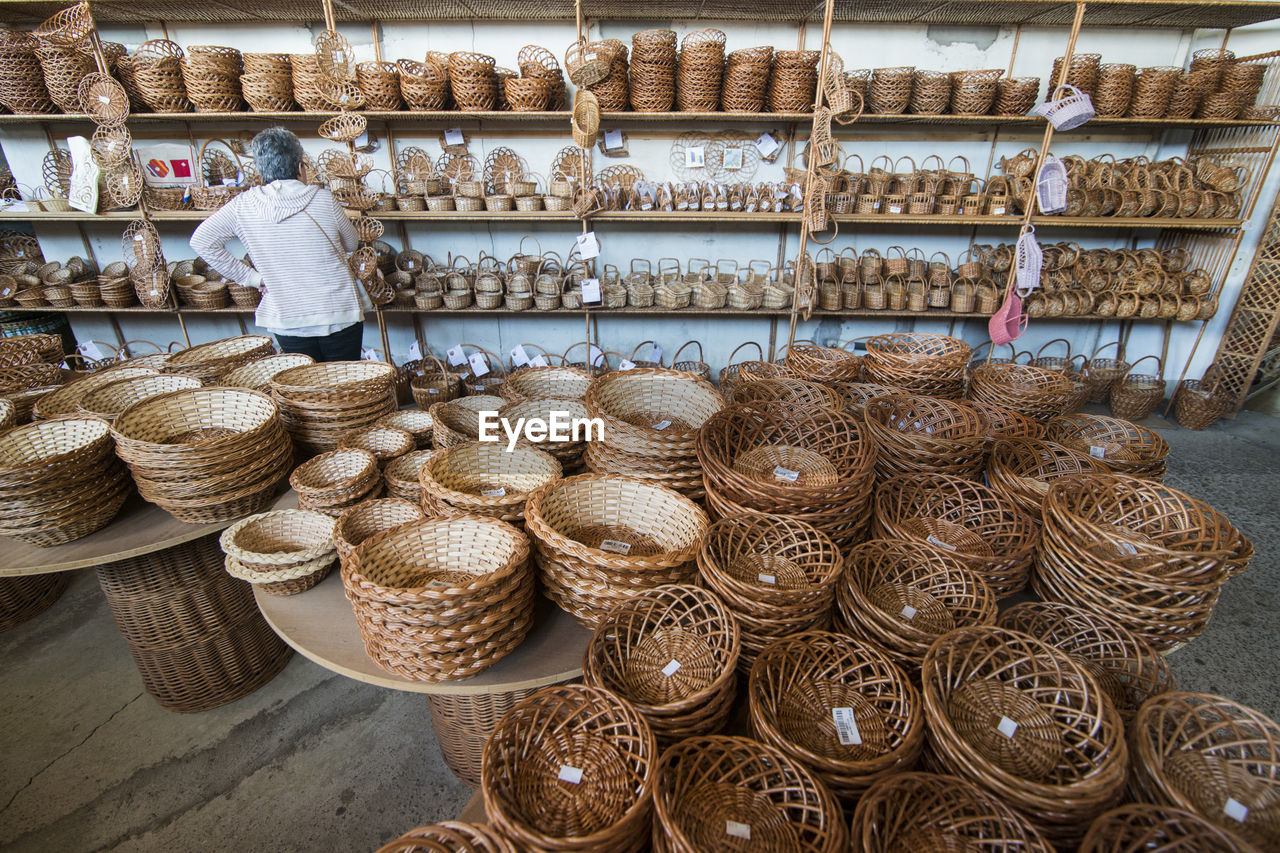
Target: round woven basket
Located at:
point(777, 575)
point(671, 652)
point(458, 421)
point(441, 598)
point(839, 707)
point(964, 519)
point(370, 518)
point(917, 363)
point(540, 383)
point(933, 812)
point(1004, 423)
point(601, 539)
point(385, 443)
point(571, 768)
point(714, 792)
point(552, 411)
point(822, 364)
point(1027, 723)
point(1033, 392)
point(111, 398)
point(1213, 757)
point(449, 836)
point(320, 403)
point(1124, 447)
point(1159, 829)
point(205, 454)
point(65, 399)
point(485, 478)
point(401, 476)
point(283, 552)
point(258, 374)
point(765, 391)
point(59, 480)
point(1021, 469)
point(903, 595)
point(857, 394)
point(331, 482)
point(210, 362)
point(417, 423)
point(925, 434)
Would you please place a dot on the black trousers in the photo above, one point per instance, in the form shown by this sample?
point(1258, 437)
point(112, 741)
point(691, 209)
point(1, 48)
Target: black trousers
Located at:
point(342, 345)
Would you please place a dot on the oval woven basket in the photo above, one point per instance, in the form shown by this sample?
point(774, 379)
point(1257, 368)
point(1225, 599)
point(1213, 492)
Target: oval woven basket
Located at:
point(449, 836)
point(334, 480)
point(1124, 447)
point(764, 391)
point(417, 423)
point(777, 575)
point(1034, 392)
point(601, 539)
point(209, 362)
point(925, 434)
point(1022, 469)
point(917, 363)
point(458, 421)
point(671, 652)
point(1027, 723)
point(1004, 423)
point(385, 443)
point(822, 364)
point(712, 792)
point(368, 519)
point(562, 383)
point(964, 519)
point(857, 394)
point(934, 812)
point(485, 478)
point(902, 596)
point(284, 552)
point(1211, 756)
point(441, 598)
point(402, 475)
point(571, 768)
point(258, 373)
point(65, 400)
point(839, 707)
point(1158, 829)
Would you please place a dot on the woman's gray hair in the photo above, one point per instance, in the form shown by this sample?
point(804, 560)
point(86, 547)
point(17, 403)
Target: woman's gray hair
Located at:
point(277, 153)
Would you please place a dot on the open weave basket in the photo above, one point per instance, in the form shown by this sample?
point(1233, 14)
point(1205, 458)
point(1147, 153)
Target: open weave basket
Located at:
point(450, 836)
point(1158, 829)
point(1021, 469)
point(1124, 447)
point(925, 434)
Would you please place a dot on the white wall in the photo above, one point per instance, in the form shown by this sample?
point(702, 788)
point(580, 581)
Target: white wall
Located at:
point(941, 48)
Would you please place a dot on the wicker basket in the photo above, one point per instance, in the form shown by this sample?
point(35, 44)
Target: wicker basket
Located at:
point(901, 596)
point(764, 391)
point(969, 521)
point(1124, 447)
point(927, 811)
point(1033, 392)
point(917, 363)
point(65, 399)
point(1159, 829)
point(109, 399)
point(1022, 469)
point(602, 539)
point(671, 652)
point(450, 836)
point(417, 423)
point(1134, 396)
point(210, 362)
point(437, 385)
point(401, 476)
point(571, 768)
point(27, 596)
point(320, 403)
point(543, 383)
point(1027, 723)
point(485, 479)
point(712, 792)
point(257, 374)
point(1213, 757)
point(205, 454)
point(1199, 403)
point(371, 518)
point(925, 434)
point(284, 552)
point(332, 482)
point(442, 598)
point(822, 364)
point(385, 443)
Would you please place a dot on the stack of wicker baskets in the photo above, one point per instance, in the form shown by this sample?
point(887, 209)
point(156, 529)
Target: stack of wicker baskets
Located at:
point(335, 481)
point(651, 419)
point(211, 75)
point(699, 69)
point(916, 363)
point(653, 71)
point(65, 399)
point(210, 362)
point(602, 539)
point(458, 421)
point(284, 552)
point(1125, 448)
point(267, 82)
point(542, 383)
point(59, 480)
point(1022, 469)
point(320, 403)
point(809, 463)
point(257, 374)
point(385, 443)
point(441, 598)
point(1034, 392)
point(484, 478)
point(450, 836)
point(924, 434)
point(205, 454)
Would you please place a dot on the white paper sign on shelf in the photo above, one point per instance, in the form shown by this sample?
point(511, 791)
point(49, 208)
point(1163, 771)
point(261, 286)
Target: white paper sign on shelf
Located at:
point(453, 136)
point(415, 351)
point(518, 356)
point(695, 157)
point(368, 354)
point(612, 140)
point(766, 145)
point(588, 245)
point(590, 290)
point(479, 365)
point(457, 356)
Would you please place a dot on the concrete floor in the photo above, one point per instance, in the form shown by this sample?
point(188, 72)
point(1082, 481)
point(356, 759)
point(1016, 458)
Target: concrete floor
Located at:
point(315, 761)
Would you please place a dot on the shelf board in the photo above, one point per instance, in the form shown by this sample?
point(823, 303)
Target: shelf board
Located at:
point(1176, 14)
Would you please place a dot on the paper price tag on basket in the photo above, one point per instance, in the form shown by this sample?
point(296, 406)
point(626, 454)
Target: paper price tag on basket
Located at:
point(786, 474)
point(908, 612)
point(661, 425)
point(453, 136)
point(518, 356)
point(671, 668)
point(499, 492)
point(1097, 451)
point(479, 366)
point(1007, 727)
point(591, 290)
point(695, 157)
point(572, 775)
point(1235, 810)
point(92, 350)
point(368, 354)
point(538, 361)
point(588, 245)
point(934, 540)
point(766, 145)
point(626, 364)
point(457, 356)
point(737, 830)
point(769, 579)
point(613, 546)
point(846, 727)
point(655, 353)
point(415, 351)
point(612, 140)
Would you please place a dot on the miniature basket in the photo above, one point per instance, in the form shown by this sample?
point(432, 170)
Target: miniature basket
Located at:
point(713, 792)
point(671, 652)
point(368, 519)
point(571, 768)
point(966, 520)
point(484, 478)
point(442, 598)
point(1027, 723)
point(901, 596)
point(1022, 469)
point(925, 434)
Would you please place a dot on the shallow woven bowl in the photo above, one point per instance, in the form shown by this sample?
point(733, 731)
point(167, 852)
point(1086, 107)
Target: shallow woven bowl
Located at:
point(280, 538)
point(485, 478)
point(161, 425)
point(332, 475)
point(416, 423)
point(1022, 469)
point(257, 374)
point(65, 399)
point(370, 518)
point(110, 399)
point(450, 836)
point(386, 443)
point(1159, 829)
point(564, 383)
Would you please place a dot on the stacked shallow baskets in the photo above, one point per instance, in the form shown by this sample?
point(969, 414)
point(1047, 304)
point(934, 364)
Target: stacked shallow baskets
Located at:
point(333, 482)
point(484, 478)
point(284, 552)
point(914, 363)
point(1124, 447)
point(923, 434)
point(319, 403)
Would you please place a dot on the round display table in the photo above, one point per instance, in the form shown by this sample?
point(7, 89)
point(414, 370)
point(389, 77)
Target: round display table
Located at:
point(320, 624)
point(194, 632)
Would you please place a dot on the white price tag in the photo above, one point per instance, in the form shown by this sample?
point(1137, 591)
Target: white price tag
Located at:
point(499, 492)
point(769, 579)
point(457, 356)
point(103, 99)
point(597, 355)
point(572, 775)
point(737, 830)
point(1097, 451)
point(766, 145)
point(671, 668)
point(997, 211)
point(368, 354)
point(786, 474)
point(154, 292)
point(92, 350)
point(626, 364)
point(908, 612)
point(538, 361)
point(934, 540)
point(846, 726)
point(655, 353)
point(588, 245)
point(733, 159)
point(660, 425)
point(1127, 548)
point(893, 208)
point(433, 390)
point(137, 238)
point(615, 547)
point(479, 366)
point(695, 157)
point(518, 356)
point(591, 290)
point(415, 351)
point(612, 140)
point(453, 136)
point(362, 141)
point(1007, 727)
point(1235, 810)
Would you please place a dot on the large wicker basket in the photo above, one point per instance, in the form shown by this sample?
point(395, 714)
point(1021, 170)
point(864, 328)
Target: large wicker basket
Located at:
point(320, 403)
point(1124, 447)
point(1021, 469)
point(917, 363)
point(1037, 393)
point(484, 478)
point(925, 434)
point(1158, 829)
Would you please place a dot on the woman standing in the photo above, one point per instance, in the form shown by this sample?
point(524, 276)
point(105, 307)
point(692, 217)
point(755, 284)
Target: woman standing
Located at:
point(298, 239)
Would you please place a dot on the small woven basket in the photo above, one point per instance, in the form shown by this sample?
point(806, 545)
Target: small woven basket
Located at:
point(370, 518)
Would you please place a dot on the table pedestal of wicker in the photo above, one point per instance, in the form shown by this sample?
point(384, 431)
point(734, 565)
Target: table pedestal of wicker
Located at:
point(320, 624)
point(27, 597)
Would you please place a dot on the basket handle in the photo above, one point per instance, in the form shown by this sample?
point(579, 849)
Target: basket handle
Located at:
point(910, 171)
point(122, 351)
point(759, 351)
point(1040, 351)
point(945, 259)
point(675, 358)
point(924, 164)
point(520, 248)
point(647, 267)
point(636, 351)
point(1116, 344)
point(1159, 365)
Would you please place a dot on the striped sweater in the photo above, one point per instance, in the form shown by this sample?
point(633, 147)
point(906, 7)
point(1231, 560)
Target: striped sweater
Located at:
point(293, 233)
